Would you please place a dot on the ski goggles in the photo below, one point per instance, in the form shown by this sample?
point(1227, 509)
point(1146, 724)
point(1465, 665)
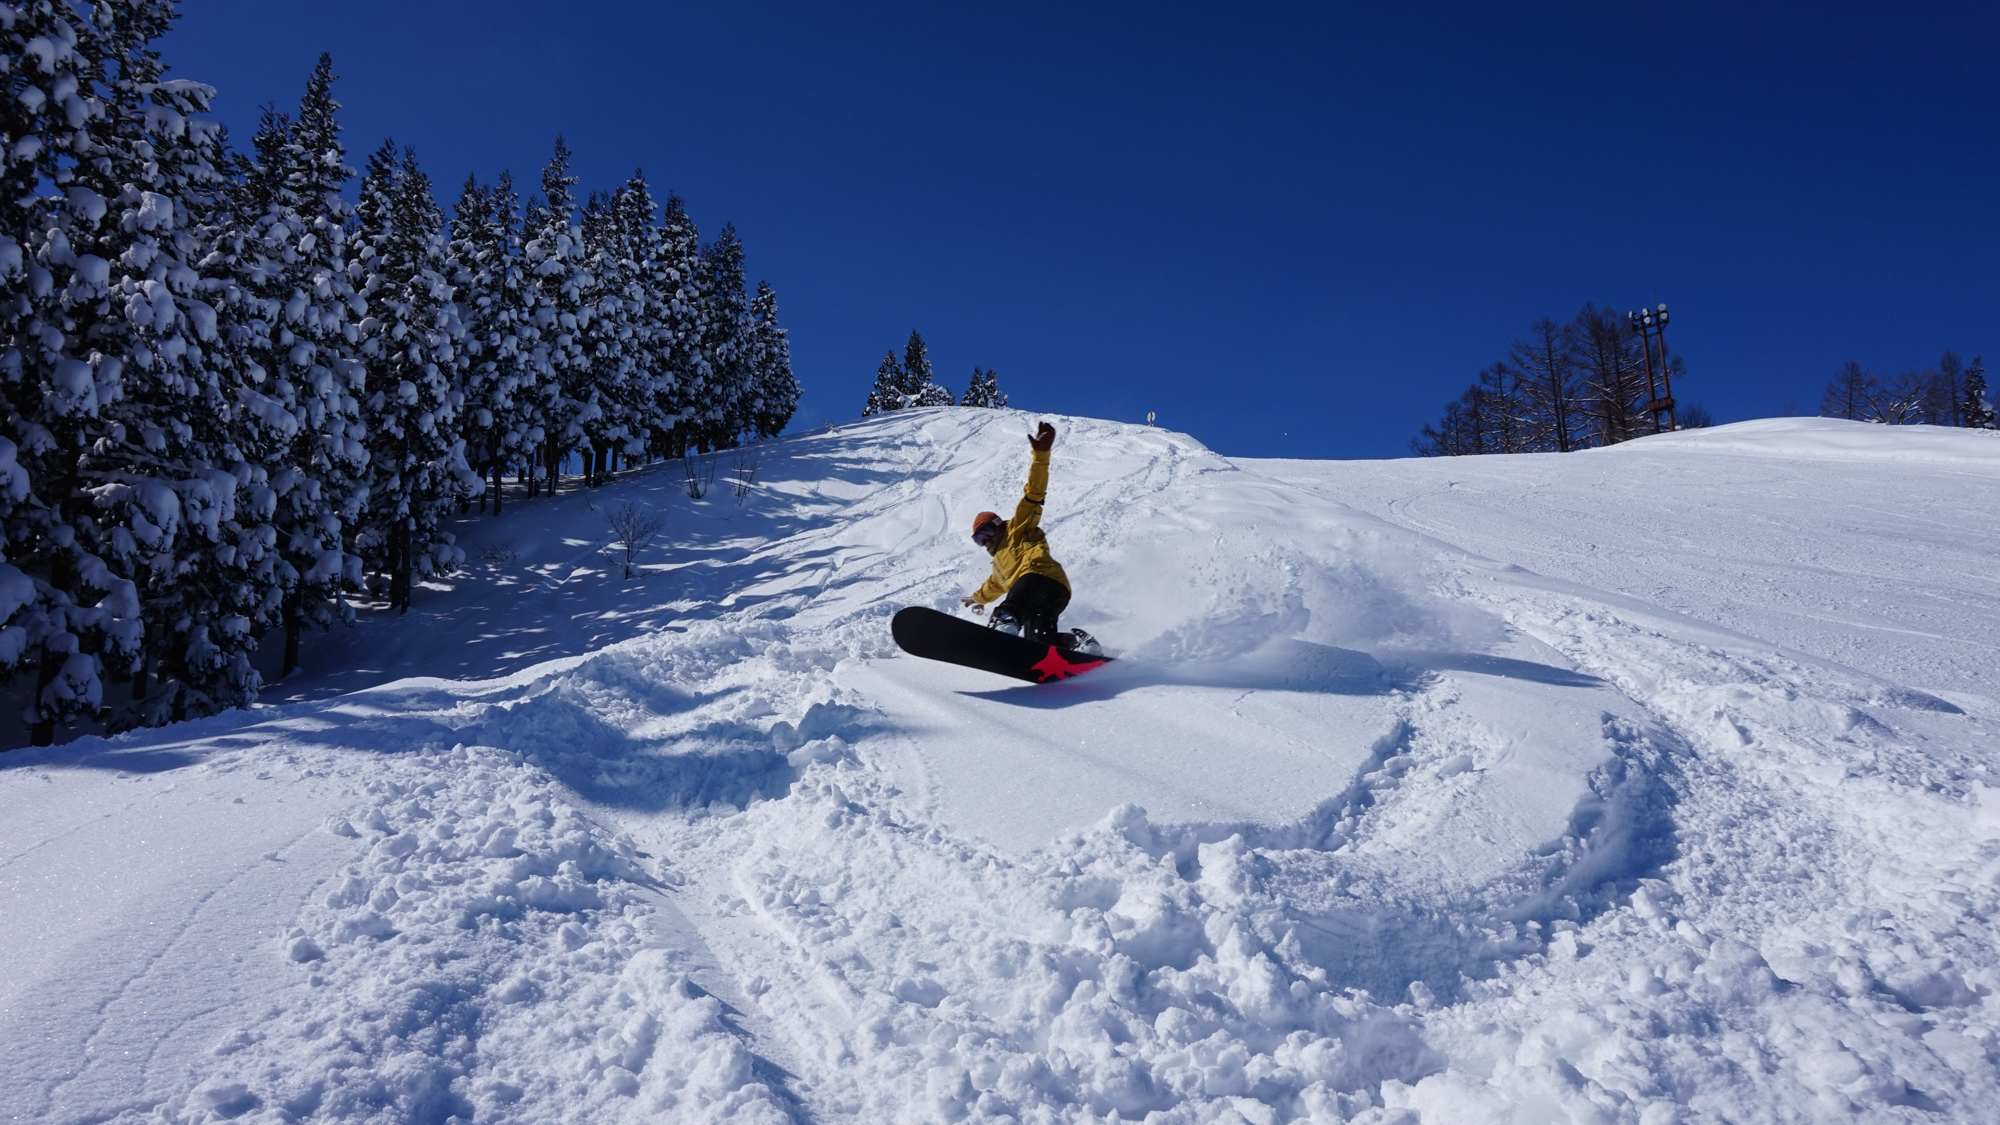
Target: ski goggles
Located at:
point(986, 532)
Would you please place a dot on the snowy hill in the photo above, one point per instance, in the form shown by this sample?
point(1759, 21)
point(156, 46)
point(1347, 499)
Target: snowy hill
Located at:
point(1647, 784)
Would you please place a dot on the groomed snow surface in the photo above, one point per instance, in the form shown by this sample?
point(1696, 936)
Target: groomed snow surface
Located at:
point(1649, 784)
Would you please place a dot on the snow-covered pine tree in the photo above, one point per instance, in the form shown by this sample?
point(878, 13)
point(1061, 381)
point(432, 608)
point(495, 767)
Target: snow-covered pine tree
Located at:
point(983, 390)
point(920, 387)
point(497, 308)
point(412, 356)
point(64, 611)
point(777, 388)
point(300, 352)
point(728, 404)
point(656, 280)
point(189, 420)
point(887, 393)
point(554, 252)
point(916, 369)
point(680, 327)
point(613, 340)
point(1974, 408)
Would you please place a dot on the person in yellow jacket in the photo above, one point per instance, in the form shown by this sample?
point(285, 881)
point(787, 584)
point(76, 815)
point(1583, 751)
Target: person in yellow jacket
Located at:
point(1032, 581)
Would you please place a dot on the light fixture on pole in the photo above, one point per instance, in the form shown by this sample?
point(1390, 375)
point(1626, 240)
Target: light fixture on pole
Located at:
point(1649, 324)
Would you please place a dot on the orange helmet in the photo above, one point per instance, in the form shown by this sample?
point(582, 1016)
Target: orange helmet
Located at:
point(981, 520)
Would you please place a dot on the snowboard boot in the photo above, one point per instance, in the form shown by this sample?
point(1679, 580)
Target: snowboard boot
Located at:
point(1005, 622)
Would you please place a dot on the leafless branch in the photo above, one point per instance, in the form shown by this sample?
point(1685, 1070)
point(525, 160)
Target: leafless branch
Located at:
point(632, 528)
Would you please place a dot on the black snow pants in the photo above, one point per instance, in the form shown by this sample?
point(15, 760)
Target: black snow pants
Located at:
point(1034, 601)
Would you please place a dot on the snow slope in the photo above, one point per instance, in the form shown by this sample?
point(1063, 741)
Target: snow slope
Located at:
point(1649, 784)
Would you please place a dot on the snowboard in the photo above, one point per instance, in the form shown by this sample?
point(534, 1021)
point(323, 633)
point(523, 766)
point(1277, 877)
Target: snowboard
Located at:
point(954, 640)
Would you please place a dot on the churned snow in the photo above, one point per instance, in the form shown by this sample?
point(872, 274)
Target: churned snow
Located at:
point(1648, 784)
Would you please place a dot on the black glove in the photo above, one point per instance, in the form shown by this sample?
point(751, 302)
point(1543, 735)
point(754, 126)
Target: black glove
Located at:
point(1044, 438)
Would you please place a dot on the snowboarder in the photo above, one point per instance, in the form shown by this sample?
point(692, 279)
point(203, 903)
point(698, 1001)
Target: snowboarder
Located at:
point(1036, 589)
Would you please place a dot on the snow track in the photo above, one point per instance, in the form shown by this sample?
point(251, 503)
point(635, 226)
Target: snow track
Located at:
point(1371, 823)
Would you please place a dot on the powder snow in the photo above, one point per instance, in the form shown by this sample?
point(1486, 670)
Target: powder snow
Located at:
point(1649, 784)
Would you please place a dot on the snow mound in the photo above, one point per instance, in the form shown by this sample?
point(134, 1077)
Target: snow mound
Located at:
point(1482, 790)
point(1827, 439)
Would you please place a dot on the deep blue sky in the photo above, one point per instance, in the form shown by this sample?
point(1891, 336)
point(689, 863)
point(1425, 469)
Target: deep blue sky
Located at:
point(1291, 230)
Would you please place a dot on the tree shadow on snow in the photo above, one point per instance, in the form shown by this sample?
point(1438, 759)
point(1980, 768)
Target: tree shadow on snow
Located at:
point(115, 759)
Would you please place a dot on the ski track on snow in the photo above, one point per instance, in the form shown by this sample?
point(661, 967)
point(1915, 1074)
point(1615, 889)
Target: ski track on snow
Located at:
point(1427, 836)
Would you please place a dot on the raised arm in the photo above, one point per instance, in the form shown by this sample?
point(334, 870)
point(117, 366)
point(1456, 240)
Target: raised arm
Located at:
point(1028, 513)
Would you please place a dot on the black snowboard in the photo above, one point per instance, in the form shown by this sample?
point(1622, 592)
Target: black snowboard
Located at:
point(940, 636)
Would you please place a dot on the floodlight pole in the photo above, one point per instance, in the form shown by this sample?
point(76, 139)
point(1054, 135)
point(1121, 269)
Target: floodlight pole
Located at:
point(1650, 323)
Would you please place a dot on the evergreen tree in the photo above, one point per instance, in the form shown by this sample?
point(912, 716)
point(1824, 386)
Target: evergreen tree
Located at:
point(70, 614)
point(189, 337)
point(679, 332)
point(729, 404)
point(497, 310)
point(777, 389)
point(412, 357)
point(190, 422)
point(555, 256)
point(1850, 394)
point(916, 369)
point(304, 320)
point(983, 390)
point(919, 386)
point(47, 611)
point(614, 337)
point(887, 393)
point(654, 285)
point(1973, 406)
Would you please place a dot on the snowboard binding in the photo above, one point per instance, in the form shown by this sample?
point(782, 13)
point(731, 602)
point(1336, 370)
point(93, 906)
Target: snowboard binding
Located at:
point(1075, 640)
point(1078, 641)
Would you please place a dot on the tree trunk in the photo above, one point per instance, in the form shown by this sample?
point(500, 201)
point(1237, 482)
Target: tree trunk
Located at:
point(294, 620)
point(43, 731)
point(405, 569)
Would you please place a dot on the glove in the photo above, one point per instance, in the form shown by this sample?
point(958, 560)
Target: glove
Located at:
point(1043, 439)
point(970, 603)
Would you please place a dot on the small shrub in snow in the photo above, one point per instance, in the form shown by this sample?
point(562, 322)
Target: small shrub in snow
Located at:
point(632, 529)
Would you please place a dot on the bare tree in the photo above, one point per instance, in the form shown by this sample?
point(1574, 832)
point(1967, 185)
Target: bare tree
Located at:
point(1948, 396)
point(1547, 363)
point(1485, 419)
point(700, 472)
point(1906, 401)
point(742, 472)
point(1613, 377)
point(632, 529)
point(1849, 394)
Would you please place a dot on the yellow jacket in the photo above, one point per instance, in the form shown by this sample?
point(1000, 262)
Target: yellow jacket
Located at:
point(1022, 548)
